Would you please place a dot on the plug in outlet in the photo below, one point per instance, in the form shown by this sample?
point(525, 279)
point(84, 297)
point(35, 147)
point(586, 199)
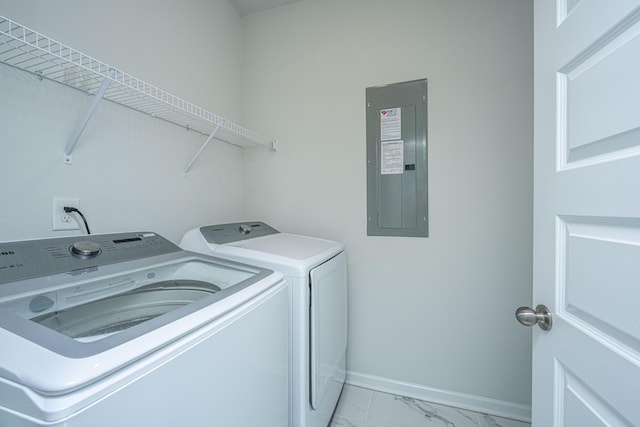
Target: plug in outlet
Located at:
point(61, 219)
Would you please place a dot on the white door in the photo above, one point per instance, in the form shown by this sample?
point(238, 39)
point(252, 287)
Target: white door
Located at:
point(586, 369)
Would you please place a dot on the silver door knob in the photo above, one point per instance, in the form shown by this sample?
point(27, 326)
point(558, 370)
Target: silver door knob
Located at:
point(541, 317)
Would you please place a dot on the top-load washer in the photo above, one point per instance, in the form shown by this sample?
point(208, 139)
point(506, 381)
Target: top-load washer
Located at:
point(129, 330)
point(316, 270)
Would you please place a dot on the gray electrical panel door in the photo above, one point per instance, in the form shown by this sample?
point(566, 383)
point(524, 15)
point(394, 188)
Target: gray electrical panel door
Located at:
point(397, 199)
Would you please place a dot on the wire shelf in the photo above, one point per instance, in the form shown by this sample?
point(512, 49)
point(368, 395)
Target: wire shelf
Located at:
point(33, 52)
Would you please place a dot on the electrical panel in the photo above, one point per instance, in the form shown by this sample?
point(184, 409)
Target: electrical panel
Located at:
point(397, 192)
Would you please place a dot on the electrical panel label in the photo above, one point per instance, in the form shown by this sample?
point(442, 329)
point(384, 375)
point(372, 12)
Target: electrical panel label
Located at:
point(392, 157)
point(390, 124)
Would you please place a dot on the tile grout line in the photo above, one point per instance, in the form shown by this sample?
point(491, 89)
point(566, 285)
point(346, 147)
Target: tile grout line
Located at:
point(366, 412)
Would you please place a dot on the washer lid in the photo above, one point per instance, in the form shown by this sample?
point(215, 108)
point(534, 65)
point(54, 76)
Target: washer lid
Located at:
point(66, 331)
point(132, 298)
point(99, 318)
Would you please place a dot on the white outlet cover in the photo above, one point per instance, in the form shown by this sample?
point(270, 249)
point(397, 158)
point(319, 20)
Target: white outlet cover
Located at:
point(62, 220)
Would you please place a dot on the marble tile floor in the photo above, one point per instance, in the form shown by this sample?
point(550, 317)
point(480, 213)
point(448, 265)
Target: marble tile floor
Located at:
point(361, 407)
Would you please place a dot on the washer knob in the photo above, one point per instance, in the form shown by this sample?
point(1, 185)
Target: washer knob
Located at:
point(244, 229)
point(85, 248)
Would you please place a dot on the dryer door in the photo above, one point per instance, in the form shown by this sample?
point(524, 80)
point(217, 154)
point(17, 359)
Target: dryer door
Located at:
point(328, 330)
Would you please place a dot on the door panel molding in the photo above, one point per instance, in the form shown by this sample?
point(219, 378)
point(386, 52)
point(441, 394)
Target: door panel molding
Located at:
point(597, 271)
point(579, 404)
point(592, 125)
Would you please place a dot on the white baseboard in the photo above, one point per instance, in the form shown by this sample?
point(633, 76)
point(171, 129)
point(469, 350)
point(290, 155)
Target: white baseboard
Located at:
point(471, 402)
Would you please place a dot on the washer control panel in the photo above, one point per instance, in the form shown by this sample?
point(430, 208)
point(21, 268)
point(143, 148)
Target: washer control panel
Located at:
point(45, 257)
point(235, 231)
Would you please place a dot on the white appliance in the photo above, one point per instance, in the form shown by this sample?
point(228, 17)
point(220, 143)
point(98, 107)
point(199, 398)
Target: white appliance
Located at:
point(129, 330)
point(316, 270)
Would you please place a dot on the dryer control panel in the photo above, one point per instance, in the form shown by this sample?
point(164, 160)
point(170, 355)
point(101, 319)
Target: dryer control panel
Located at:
point(236, 231)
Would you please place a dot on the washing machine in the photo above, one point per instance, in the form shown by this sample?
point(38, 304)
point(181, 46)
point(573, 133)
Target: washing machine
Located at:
point(127, 329)
point(316, 271)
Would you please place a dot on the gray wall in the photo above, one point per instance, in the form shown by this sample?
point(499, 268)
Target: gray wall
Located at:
point(127, 167)
point(431, 317)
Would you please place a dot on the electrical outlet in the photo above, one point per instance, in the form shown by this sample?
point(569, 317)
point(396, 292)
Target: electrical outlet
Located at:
point(61, 219)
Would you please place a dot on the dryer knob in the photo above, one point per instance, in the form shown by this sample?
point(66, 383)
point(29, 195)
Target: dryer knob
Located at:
point(85, 249)
point(244, 229)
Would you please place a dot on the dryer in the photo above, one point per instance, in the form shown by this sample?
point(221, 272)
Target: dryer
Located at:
point(127, 329)
point(316, 270)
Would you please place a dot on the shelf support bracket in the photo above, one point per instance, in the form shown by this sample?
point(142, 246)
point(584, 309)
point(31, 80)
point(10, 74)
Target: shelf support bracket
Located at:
point(67, 158)
point(209, 138)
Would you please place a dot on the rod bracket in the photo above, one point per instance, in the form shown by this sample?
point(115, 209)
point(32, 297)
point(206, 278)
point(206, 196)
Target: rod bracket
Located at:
point(67, 158)
point(204, 145)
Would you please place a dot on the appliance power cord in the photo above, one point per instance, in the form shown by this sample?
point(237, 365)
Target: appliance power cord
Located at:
point(69, 209)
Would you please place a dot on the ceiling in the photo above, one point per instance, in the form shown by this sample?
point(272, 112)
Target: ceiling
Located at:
point(247, 7)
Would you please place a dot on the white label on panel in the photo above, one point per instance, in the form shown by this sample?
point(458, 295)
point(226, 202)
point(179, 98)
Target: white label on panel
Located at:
point(390, 124)
point(392, 157)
